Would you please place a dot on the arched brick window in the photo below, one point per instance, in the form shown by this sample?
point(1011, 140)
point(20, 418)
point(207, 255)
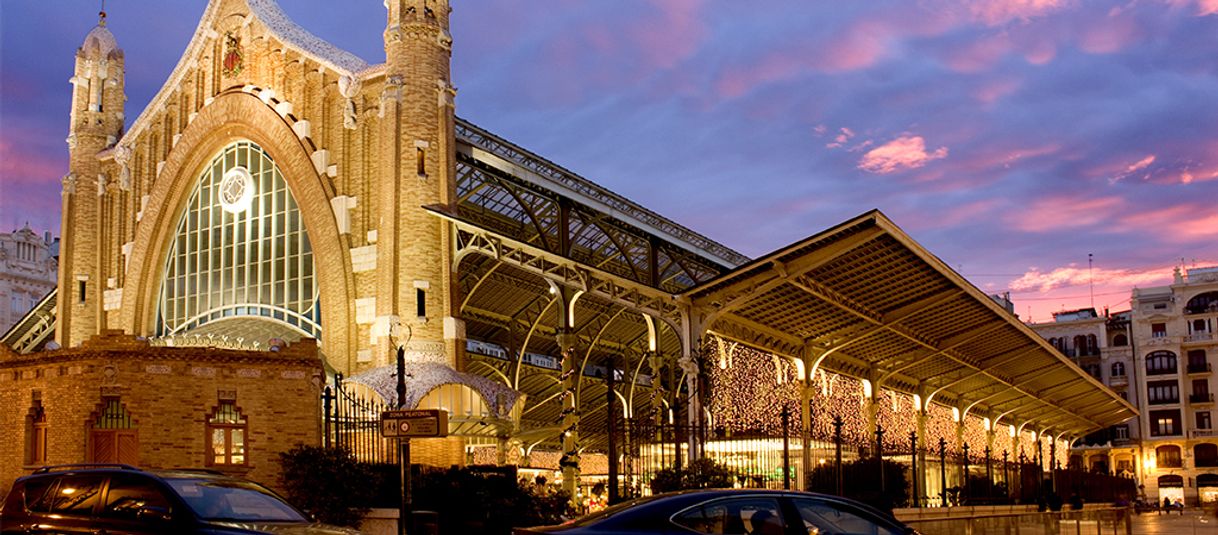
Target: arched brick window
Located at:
point(36, 433)
point(227, 431)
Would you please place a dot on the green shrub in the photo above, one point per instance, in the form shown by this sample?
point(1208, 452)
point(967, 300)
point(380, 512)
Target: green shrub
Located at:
point(861, 481)
point(328, 483)
point(700, 474)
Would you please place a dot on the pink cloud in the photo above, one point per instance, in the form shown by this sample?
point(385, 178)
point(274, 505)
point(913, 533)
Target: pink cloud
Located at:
point(1075, 275)
point(1182, 223)
point(995, 90)
point(672, 31)
point(1066, 212)
point(995, 12)
point(1110, 34)
point(1133, 168)
point(1202, 7)
point(980, 55)
point(902, 153)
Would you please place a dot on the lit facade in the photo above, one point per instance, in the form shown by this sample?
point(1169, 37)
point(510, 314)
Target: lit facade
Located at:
point(1158, 356)
point(1174, 342)
point(28, 266)
point(278, 189)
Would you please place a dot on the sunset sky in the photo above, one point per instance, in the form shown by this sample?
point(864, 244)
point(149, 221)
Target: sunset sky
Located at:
point(1010, 137)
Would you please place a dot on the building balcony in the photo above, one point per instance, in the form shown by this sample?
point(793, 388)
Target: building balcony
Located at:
point(1199, 367)
point(1162, 371)
point(1199, 337)
point(1118, 380)
point(1164, 401)
point(1203, 433)
point(1118, 352)
point(1200, 398)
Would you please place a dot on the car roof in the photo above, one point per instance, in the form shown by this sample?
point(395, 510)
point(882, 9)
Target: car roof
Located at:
point(652, 508)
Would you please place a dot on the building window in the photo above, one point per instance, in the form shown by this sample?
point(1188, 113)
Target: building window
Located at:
point(1164, 423)
point(1168, 457)
point(1203, 420)
point(1161, 392)
point(1158, 330)
point(1120, 432)
point(1206, 302)
point(1199, 326)
point(36, 433)
point(1118, 369)
point(1205, 455)
point(1160, 362)
point(1120, 340)
point(1197, 362)
point(1201, 391)
point(1093, 370)
point(226, 433)
point(240, 249)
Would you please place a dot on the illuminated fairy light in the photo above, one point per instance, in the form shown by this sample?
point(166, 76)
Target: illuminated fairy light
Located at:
point(749, 388)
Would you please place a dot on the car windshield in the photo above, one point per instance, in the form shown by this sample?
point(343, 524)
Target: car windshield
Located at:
point(233, 500)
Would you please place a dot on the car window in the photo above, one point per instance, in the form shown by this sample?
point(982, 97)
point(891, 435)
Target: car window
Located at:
point(233, 499)
point(739, 516)
point(128, 495)
point(38, 496)
point(830, 518)
point(76, 495)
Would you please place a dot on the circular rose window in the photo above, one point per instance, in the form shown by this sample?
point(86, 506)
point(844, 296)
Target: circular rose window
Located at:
point(236, 190)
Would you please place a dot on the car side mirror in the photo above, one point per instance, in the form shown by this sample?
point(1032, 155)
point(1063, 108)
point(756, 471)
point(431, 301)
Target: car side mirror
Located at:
point(153, 512)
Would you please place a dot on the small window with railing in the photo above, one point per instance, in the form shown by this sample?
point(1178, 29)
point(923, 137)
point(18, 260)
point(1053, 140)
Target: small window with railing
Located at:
point(226, 436)
point(1158, 330)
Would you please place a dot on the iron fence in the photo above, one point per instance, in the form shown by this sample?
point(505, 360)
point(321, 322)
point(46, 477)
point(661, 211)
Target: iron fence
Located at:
point(353, 422)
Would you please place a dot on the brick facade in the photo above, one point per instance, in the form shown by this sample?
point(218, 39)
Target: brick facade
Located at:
point(169, 393)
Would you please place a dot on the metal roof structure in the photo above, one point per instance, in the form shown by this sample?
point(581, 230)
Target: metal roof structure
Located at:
point(863, 299)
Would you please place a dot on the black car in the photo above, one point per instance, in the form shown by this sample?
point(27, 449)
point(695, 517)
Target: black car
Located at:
point(120, 499)
point(733, 512)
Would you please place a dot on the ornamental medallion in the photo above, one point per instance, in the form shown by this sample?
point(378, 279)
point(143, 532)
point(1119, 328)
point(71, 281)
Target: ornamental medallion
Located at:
point(233, 56)
point(236, 190)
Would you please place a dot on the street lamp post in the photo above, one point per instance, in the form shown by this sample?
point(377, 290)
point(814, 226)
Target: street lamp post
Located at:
point(943, 469)
point(913, 464)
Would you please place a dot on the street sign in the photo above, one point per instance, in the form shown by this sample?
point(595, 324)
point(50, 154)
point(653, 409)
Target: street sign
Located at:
point(414, 424)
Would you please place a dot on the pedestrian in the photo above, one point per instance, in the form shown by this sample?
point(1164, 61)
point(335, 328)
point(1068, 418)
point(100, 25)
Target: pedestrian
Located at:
point(1180, 505)
point(1166, 505)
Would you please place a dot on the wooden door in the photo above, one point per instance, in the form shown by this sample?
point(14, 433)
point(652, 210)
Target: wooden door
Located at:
point(114, 446)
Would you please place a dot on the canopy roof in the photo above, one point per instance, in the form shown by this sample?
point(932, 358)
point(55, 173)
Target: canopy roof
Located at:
point(864, 300)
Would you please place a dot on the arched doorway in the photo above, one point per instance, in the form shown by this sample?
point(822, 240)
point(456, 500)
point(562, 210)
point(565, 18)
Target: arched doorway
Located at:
point(1207, 487)
point(1171, 487)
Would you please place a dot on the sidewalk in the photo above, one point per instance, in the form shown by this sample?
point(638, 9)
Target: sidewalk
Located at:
point(1190, 523)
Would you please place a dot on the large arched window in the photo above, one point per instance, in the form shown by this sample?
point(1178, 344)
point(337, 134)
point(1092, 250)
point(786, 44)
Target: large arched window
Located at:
point(1205, 455)
point(240, 250)
point(1206, 302)
point(1160, 362)
point(1168, 457)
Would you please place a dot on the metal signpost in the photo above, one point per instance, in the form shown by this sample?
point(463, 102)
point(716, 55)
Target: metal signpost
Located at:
point(404, 425)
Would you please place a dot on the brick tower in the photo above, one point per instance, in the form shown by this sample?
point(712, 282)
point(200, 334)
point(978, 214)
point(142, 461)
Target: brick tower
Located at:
point(96, 124)
point(414, 282)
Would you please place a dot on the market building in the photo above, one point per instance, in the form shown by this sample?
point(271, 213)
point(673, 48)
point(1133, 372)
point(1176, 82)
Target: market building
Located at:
point(279, 195)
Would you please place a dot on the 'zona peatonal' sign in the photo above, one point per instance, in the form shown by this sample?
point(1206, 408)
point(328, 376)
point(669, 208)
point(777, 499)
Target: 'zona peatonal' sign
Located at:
point(414, 424)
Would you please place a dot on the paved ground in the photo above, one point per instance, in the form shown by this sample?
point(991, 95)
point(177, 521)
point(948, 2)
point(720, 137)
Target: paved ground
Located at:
point(1190, 523)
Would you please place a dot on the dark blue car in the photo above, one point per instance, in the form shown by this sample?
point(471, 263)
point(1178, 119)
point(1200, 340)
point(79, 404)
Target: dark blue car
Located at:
point(733, 512)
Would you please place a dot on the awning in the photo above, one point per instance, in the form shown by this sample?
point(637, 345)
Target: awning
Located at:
point(864, 300)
